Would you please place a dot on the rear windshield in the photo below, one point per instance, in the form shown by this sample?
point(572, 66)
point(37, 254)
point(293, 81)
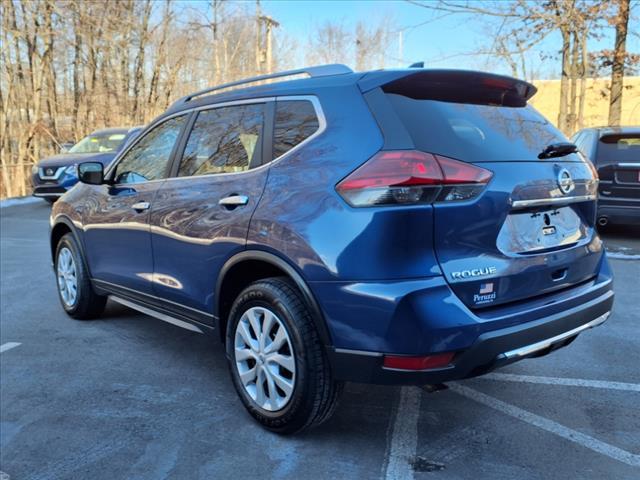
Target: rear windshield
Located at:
point(476, 133)
point(618, 148)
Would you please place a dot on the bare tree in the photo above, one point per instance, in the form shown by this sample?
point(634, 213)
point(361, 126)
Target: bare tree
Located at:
point(68, 67)
point(524, 24)
point(372, 43)
point(330, 43)
point(617, 69)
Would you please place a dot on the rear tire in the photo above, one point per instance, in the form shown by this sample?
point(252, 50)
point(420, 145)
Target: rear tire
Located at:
point(72, 279)
point(285, 352)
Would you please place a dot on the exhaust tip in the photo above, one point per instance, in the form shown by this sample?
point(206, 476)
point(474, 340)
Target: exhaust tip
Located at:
point(434, 387)
point(603, 221)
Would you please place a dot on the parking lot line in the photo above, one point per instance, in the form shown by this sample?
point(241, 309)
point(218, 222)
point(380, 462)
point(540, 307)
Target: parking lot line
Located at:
point(623, 256)
point(8, 346)
point(404, 435)
point(571, 382)
point(549, 425)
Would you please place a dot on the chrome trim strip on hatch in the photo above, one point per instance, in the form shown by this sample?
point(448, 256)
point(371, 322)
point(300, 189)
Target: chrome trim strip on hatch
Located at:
point(152, 313)
point(543, 344)
point(631, 165)
point(537, 202)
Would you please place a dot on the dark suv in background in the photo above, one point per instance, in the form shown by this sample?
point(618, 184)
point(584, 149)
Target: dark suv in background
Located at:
point(396, 227)
point(615, 152)
point(53, 176)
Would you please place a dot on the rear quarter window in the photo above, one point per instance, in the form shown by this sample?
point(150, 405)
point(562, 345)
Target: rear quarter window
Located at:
point(475, 132)
point(295, 121)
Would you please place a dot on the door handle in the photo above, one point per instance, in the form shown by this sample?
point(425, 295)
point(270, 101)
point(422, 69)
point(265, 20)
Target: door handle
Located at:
point(140, 206)
point(233, 201)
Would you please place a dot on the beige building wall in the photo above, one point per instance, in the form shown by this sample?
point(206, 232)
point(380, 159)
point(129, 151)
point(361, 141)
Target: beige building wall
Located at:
point(596, 108)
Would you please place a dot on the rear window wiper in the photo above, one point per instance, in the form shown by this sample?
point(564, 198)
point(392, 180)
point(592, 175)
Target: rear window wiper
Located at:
point(558, 150)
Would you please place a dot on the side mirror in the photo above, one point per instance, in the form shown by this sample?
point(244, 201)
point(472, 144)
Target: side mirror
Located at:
point(91, 173)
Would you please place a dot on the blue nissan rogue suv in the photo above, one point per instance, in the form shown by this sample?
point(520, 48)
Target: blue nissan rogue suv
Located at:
point(53, 176)
point(395, 227)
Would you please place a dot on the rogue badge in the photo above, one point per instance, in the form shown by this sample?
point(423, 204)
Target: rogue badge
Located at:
point(476, 272)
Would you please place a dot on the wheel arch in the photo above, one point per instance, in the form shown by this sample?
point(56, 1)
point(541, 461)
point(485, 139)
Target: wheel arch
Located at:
point(251, 265)
point(62, 226)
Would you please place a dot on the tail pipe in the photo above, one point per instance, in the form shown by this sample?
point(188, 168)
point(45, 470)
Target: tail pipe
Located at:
point(603, 221)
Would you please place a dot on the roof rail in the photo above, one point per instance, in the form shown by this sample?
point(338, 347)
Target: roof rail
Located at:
point(318, 71)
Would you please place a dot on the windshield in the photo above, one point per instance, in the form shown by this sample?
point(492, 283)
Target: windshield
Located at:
point(99, 143)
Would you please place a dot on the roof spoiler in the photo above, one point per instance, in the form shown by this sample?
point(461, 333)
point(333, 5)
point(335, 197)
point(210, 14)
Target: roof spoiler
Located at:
point(458, 86)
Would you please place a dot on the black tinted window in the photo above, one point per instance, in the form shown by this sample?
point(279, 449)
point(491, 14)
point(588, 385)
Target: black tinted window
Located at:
point(224, 140)
point(148, 159)
point(578, 139)
point(581, 140)
point(618, 148)
point(296, 120)
point(473, 132)
point(587, 144)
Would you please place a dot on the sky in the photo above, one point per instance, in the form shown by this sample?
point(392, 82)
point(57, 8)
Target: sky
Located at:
point(440, 41)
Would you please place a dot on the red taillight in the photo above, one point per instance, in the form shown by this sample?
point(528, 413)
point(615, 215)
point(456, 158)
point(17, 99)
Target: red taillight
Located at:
point(418, 363)
point(406, 177)
point(460, 172)
point(395, 169)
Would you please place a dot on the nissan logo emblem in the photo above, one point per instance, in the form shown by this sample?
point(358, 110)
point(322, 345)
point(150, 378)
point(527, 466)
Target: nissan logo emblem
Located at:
point(565, 182)
point(49, 171)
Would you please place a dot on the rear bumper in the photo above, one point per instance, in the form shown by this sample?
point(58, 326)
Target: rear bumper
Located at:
point(620, 212)
point(491, 350)
point(419, 318)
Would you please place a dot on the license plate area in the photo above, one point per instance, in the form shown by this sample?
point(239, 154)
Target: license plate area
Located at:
point(536, 231)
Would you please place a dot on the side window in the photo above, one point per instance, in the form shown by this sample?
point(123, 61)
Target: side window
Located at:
point(295, 121)
point(149, 158)
point(578, 140)
point(224, 140)
point(586, 146)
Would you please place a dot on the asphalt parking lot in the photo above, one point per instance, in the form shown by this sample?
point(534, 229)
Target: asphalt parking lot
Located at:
point(130, 397)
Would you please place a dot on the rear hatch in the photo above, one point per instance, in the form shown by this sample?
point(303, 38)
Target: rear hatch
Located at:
point(531, 229)
point(618, 163)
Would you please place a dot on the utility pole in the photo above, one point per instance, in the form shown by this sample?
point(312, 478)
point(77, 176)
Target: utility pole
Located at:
point(215, 5)
point(258, 38)
point(264, 41)
point(270, 24)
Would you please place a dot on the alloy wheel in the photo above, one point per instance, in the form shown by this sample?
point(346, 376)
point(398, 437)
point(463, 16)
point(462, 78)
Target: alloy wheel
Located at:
point(67, 277)
point(264, 358)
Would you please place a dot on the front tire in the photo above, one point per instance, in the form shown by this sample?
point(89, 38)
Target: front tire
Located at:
point(72, 279)
point(277, 362)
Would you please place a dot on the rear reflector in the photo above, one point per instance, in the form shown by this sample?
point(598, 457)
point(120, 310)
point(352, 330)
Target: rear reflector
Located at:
point(418, 363)
point(407, 177)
